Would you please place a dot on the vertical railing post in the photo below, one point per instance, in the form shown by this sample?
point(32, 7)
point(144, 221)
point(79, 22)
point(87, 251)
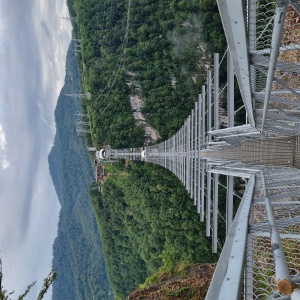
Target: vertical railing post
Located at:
point(170, 154)
point(181, 154)
point(208, 176)
point(192, 154)
point(202, 191)
point(196, 155)
point(165, 155)
point(229, 202)
point(209, 106)
point(199, 147)
point(216, 91)
point(230, 115)
point(203, 115)
point(215, 176)
point(178, 154)
point(188, 152)
point(184, 153)
point(174, 154)
point(230, 90)
point(202, 162)
point(208, 204)
point(215, 213)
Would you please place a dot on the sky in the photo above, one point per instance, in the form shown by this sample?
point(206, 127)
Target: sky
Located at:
point(33, 47)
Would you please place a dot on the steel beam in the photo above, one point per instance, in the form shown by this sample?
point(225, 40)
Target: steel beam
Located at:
point(184, 153)
point(203, 116)
point(230, 90)
point(209, 106)
point(181, 155)
point(199, 147)
point(165, 156)
point(202, 190)
point(229, 203)
point(234, 23)
point(174, 154)
point(208, 204)
point(192, 154)
point(238, 173)
point(188, 152)
point(216, 91)
point(215, 213)
point(202, 161)
point(227, 279)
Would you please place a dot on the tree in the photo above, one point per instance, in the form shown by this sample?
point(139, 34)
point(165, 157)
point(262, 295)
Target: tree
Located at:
point(5, 295)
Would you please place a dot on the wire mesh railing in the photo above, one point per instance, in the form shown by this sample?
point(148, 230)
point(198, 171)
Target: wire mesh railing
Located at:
point(263, 272)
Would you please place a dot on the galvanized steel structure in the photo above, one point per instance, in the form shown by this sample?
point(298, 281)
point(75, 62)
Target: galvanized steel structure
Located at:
point(261, 255)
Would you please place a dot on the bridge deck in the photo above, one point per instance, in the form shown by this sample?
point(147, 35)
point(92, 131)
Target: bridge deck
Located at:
point(276, 152)
point(273, 152)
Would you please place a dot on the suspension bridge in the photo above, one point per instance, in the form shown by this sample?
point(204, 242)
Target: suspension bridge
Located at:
point(261, 255)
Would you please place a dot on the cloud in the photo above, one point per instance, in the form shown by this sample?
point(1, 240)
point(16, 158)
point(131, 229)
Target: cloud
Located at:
point(2, 26)
point(4, 163)
point(2, 139)
point(2, 31)
point(46, 30)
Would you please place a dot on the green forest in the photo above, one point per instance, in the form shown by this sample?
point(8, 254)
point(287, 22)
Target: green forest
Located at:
point(140, 45)
point(158, 50)
point(147, 221)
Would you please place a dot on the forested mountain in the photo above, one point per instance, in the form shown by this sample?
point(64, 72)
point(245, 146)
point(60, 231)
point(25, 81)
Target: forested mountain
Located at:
point(147, 223)
point(156, 49)
point(77, 253)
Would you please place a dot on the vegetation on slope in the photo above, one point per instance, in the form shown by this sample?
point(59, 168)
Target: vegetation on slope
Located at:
point(77, 254)
point(188, 283)
point(155, 47)
point(146, 221)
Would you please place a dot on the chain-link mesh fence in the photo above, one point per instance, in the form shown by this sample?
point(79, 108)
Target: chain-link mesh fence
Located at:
point(282, 189)
point(275, 58)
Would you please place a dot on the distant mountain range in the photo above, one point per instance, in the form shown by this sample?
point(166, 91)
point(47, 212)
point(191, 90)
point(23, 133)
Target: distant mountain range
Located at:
point(77, 251)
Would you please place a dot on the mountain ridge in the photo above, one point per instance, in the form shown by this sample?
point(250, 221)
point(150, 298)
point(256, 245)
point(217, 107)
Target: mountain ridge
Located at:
point(77, 249)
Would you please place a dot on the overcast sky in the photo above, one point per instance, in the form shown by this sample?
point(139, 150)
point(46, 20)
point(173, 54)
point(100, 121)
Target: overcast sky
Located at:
point(33, 46)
